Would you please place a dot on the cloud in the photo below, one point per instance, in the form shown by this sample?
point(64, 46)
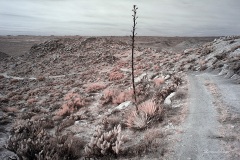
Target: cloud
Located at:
point(95, 17)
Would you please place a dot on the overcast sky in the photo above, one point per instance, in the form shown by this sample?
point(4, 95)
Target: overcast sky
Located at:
point(113, 17)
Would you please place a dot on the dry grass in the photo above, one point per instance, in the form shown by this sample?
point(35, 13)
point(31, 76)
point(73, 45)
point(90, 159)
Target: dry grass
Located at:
point(110, 122)
point(149, 107)
point(152, 134)
point(147, 111)
point(137, 120)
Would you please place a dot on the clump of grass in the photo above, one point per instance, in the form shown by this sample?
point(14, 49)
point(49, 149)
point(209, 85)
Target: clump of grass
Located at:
point(147, 112)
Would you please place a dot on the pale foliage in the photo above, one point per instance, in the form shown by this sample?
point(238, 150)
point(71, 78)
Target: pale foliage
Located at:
point(103, 143)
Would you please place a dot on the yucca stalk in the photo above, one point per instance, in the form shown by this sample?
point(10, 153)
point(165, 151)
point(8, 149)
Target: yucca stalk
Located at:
point(133, 40)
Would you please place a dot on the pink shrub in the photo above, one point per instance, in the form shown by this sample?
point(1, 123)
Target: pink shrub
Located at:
point(72, 102)
point(147, 111)
point(149, 107)
point(115, 96)
point(138, 72)
point(156, 68)
point(115, 75)
point(93, 87)
point(122, 97)
point(107, 95)
point(158, 81)
point(122, 64)
point(31, 100)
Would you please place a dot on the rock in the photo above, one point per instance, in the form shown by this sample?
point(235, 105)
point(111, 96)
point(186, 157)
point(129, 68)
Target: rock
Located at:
point(126, 70)
point(235, 76)
point(151, 75)
point(187, 51)
point(123, 105)
point(236, 53)
point(224, 70)
point(230, 73)
point(3, 56)
point(139, 78)
point(167, 77)
point(119, 107)
point(168, 101)
point(57, 118)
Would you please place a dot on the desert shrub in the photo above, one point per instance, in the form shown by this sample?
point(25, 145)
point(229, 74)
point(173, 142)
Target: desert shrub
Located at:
point(137, 120)
point(152, 140)
point(115, 96)
point(147, 112)
point(115, 75)
point(72, 102)
point(161, 93)
point(65, 123)
point(104, 143)
point(107, 95)
point(95, 87)
point(30, 141)
point(158, 81)
point(123, 96)
point(9, 109)
point(149, 107)
point(110, 122)
point(206, 50)
point(122, 64)
point(151, 134)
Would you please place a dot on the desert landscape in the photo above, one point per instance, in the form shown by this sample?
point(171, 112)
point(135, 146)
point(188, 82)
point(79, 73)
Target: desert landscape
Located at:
point(71, 97)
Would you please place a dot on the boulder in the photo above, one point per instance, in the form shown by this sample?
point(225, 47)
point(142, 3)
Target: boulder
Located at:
point(168, 101)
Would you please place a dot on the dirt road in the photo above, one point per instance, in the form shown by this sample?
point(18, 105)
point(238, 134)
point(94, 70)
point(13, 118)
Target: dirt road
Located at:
point(201, 138)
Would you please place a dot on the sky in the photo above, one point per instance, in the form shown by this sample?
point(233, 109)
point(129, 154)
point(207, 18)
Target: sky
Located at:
point(114, 17)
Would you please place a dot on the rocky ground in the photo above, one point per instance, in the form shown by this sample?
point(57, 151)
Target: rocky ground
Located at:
point(72, 97)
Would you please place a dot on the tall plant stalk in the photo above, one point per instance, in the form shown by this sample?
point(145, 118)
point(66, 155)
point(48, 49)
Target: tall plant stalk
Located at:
point(133, 40)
